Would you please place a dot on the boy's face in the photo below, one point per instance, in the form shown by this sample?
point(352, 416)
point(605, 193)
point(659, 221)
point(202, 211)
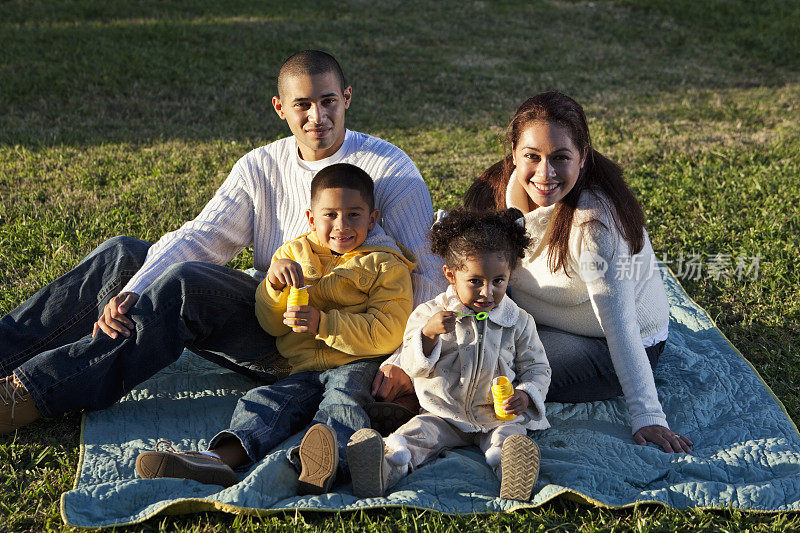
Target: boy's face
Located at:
point(313, 107)
point(341, 219)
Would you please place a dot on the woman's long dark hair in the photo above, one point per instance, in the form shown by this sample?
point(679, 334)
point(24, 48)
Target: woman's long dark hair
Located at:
point(599, 173)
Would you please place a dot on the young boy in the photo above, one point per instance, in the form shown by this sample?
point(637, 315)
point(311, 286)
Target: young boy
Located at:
point(360, 298)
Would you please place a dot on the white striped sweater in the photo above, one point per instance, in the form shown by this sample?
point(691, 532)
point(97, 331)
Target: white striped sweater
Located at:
point(263, 202)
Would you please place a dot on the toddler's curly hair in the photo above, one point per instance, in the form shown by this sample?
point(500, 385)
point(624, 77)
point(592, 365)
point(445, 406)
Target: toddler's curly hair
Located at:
point(465, 234)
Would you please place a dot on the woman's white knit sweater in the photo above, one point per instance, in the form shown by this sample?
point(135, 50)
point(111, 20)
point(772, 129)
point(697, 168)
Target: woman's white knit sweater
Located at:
point(263, 203)
point(608, 293)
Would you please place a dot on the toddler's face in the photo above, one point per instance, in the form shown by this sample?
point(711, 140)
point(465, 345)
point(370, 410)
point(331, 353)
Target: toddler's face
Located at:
point(482, 282)
point(341, 219)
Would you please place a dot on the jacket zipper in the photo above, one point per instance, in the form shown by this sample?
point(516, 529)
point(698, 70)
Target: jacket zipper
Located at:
point(320, 352)
point(476, 371)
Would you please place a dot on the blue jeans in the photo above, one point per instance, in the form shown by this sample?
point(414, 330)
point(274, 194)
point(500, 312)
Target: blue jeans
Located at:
point(582, 367)
point(268, 415)
point(46, 342)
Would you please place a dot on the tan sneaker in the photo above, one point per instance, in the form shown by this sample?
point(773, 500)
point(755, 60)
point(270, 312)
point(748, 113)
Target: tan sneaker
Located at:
point(319, 459)
point(198, 466)
point(16, 406)
point(369, 469)
point(519, 467)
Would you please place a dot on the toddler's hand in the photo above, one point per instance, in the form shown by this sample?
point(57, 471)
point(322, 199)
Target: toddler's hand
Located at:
point(517, 403)
point(283, 272)
point(439, 324)
point(302, 319)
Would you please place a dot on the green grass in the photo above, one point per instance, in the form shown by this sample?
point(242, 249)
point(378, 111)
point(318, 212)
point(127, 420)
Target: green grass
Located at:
point(123, 118)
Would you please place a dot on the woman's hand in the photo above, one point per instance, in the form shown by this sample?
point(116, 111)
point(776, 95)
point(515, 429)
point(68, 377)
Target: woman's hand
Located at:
point(390, 383)
point(669, 441)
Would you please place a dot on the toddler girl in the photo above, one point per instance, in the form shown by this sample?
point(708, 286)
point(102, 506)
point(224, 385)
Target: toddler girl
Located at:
point(453, 348)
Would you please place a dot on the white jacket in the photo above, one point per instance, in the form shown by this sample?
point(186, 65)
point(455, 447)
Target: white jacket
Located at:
point(455, 382)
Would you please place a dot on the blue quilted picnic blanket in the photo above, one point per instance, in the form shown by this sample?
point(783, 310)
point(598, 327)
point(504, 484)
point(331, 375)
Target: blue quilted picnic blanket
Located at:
point(746, 448)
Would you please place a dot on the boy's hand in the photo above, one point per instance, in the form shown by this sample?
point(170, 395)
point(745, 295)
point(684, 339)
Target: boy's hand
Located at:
point(283, 272)
point(439, 324)
point(517, 403)
point(302, 319)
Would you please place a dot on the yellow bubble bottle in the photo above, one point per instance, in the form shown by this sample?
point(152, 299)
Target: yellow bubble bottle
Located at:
point(501, 389)
point(297, 296)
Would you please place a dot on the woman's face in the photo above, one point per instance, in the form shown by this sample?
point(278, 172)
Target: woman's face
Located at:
point(548, 162)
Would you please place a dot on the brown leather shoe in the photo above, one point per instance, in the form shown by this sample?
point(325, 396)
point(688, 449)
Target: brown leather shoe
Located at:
point(16, 406)
point(185, 465)
point(319, 459)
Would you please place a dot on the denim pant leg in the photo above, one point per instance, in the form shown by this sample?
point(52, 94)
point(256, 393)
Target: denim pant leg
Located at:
point(200, 305)
point(582, 367)
point(268, 415)
point(65, 310)
point(346, 390)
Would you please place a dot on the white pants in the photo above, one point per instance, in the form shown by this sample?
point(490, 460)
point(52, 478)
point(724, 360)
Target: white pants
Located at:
point(426, 435)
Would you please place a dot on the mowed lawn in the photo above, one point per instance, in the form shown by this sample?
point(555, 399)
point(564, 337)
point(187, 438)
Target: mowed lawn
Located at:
point(123, 118)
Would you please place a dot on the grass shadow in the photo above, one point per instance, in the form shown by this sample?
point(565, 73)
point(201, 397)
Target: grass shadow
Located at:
point(89, 73)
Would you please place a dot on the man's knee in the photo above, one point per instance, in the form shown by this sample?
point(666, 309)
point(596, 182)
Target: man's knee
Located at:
point(123, 246)
point(189, 275)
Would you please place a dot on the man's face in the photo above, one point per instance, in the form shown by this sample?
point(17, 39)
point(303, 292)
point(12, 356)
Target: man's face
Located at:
point(341, 219)
point(313, 106)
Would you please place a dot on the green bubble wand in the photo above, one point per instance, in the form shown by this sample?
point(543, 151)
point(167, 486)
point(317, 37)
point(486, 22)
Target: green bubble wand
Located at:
point(483, 315)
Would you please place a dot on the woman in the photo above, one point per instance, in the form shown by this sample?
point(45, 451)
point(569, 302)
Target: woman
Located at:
point(590, 280)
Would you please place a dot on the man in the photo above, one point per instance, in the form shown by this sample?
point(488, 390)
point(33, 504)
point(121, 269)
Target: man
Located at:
point(154, 300)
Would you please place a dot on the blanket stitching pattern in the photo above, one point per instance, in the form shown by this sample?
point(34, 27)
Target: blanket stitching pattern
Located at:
point(746, 454)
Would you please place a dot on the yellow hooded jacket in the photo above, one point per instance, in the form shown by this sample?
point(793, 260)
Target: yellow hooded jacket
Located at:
point(364, 298)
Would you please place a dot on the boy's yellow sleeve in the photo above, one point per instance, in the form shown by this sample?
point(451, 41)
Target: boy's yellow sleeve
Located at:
point(379, 330)
point(271, 304)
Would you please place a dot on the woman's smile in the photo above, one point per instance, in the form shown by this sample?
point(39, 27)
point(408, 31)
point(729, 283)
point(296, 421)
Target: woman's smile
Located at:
point(547, 162)
point(545, 188)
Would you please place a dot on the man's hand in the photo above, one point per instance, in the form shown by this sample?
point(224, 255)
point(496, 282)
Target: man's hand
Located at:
point(390, 383)
point(283, 272)
point(517, 403)
point(113, 320)
point(669, 441)
point(302, 319)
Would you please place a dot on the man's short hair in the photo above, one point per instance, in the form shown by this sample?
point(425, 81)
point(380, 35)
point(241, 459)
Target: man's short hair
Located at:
point(310, 63)
point(344, 176)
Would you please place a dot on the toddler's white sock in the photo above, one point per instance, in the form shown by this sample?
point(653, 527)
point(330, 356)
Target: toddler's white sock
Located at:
point(397, 452)
point(493, 456)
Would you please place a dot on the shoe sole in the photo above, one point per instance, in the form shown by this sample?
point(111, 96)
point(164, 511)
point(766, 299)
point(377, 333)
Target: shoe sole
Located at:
point(153, 465)
point(319, 458)
point(365, 458)
point(386, 417)
point(519, 460)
